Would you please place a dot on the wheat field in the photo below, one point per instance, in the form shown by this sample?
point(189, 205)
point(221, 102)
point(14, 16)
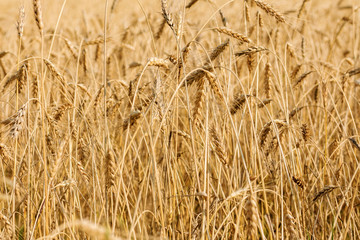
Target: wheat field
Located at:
point(192, 119)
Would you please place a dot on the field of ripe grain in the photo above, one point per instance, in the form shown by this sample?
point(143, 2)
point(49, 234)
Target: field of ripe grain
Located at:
point(191, 119)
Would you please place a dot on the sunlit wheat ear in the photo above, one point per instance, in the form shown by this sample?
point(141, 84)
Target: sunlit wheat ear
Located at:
point(242, 38)
point(219, 147)
point(167, 15)
point(213, 84)
point(110, 168)
point(54, 71)
point(58, 160)
point(7, 226)
point(290, 226)
point(19, 77)
point(250, 215)
point(38, 15)
point(50, 144)
point(270, 10)
point(5, 153)
point(199, 100)
point(218, 50)
point(17, 125)
point(290, 49)
point(82, 171)
point(20, 22)
point(250, 62)
point(72, 48)
point(303, 48)
point(96, 41)
point(267, 80)
point(98, 96)
point(158, 62)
